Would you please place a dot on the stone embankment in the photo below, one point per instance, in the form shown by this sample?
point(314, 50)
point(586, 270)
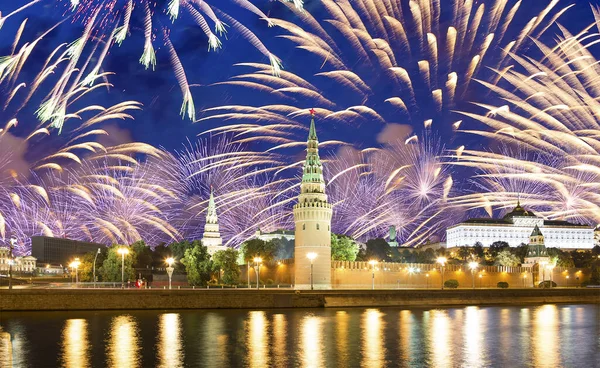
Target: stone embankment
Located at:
point(86, 299)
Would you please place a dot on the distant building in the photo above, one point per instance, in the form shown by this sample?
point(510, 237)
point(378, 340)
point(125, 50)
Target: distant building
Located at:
point(21, 264)
point(537, 257)
point(515, 227)
point(277, 234)
point(50, 250)
point(212, 237)
point(393, 242)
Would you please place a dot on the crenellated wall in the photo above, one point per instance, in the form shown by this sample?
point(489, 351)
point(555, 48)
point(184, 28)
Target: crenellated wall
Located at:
point(359, 275)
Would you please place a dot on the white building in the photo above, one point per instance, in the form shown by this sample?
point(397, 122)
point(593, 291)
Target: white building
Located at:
point(277, 234)
point(21, 264)
point(212, 237)
point(515, 228)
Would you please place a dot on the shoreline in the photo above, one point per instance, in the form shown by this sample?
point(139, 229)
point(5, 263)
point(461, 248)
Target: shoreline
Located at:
point(107, 299)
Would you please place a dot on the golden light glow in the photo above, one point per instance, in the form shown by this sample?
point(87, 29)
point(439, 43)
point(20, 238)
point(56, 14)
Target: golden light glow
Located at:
point(341, 338)
point(373, 347)
point(170, 350)
point(75, 264)
point(373, 262)
point(123, 251)
point(258, 339)
point(123, 344)
point(473, 337)
point(440, 339)
point(280, 356)
point(311, 344)
point(257, 260)
point(311, 256)
point(170, 261)
point(545, 337)
point(473, 265)
point(75, 345)
point(442, 260)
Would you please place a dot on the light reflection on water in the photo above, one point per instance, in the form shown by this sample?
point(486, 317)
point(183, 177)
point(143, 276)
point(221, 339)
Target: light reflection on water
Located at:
point(536, 336)
point(75, 344)
point(123, 347)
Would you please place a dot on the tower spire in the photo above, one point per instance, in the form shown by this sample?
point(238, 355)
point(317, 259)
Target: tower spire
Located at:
point(212, 237)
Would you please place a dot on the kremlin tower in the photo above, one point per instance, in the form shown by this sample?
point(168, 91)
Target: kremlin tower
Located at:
point(312, 217)
point(211, 237)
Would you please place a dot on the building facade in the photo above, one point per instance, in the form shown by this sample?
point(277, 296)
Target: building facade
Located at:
point(312, 218)
point(277, 234)
point(20, 264)
point(515, 228)
point(59, 250)
point(211, 238)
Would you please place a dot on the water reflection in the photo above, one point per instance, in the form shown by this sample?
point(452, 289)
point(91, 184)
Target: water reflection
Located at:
point(279, 340)
point(214, 341)
point(5, 349)
point(439, 337)
point(311, 344)
point(169, 347)
point(473, 337)
point(258, 339)
point(75, 346)
point(372, 339)
point(341, 337)
point(124, 345)
point(545, 337)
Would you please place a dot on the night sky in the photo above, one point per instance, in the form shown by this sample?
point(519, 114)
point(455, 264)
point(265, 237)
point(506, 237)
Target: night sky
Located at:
point(160, 124)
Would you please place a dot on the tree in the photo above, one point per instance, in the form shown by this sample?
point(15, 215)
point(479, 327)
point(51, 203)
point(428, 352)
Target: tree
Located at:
point(478, 250)
point(425, 256)
point(197, 265)
point(111, 267)
point(159, 254)
point(177, 251)
point(521, 252)
point(507, 259)
point(284, 248)
point(378, 249)
point(143, 254)
point(258, 248)
point(343, 248)
point(226, 261)
point(464, 253)
point(85, 269)
point(497, 247)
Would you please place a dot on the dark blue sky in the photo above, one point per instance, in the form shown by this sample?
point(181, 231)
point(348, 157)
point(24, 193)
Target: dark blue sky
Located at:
point(159, 123)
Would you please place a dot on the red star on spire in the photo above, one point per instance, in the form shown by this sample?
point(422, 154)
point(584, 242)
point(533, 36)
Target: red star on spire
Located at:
point(312, 112)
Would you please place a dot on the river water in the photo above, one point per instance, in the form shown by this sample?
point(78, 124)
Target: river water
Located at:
point(529, 336)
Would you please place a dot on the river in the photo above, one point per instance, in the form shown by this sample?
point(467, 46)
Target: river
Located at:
point(528, 336)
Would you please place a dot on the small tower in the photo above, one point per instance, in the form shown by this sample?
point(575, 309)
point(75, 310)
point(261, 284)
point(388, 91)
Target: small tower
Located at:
point(537, 256)
point(211, 237)
point(393, 242)
point(312, 217)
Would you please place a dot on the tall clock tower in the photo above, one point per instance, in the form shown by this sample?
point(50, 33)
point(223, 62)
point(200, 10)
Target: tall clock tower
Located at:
point(312, 216)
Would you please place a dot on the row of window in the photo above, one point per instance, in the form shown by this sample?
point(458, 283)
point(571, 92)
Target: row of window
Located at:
point(318, 227)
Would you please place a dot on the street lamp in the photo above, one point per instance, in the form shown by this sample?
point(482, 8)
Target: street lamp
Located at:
point(75, 265)
point(427, 279)
point(257, 261)
point(524, 277)
point(94, 268)
point(473, 266)
point(123, 251)
point(480, 280)
point(13, 242)
point(373, 263)
point(550, 267)
point(567, 277)
point(442, 261)
point(311, 256)
point(169, 261)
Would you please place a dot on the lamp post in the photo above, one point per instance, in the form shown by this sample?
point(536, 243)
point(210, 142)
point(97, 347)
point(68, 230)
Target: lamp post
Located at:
point(480, 280)
point(123, 251)
point(427, 280)
point(94, 268)
point(248, 274)
point(13, 242)
point(311, 256)
point(373, 263)
point(524, 277)
point(442, 261)
point(258, 261)
point(473, 266)
point(550, 268)
point(567, 277)
point(75, 265)
point(169, 261)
